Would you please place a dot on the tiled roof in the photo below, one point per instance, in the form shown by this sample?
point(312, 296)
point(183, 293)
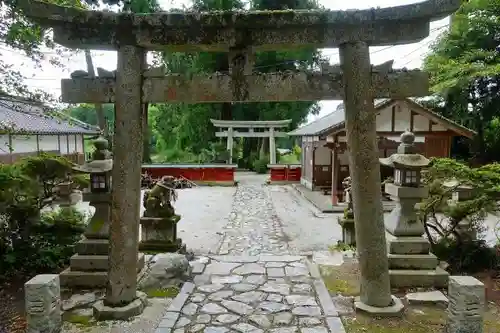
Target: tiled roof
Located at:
point(32, 118)
point(336, 120)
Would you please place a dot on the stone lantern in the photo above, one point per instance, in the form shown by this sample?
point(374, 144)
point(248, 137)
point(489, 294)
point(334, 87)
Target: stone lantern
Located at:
point(410, 262)
point(99, 197)
point(89, 266)
point(347, 221)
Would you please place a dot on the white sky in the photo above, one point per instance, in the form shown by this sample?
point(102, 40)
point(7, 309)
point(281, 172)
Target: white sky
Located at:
point(411, 55)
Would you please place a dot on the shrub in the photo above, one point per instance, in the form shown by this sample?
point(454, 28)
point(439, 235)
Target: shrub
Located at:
point(260, 165)
point(30, 242)
point(466, 257)
point(48, 245)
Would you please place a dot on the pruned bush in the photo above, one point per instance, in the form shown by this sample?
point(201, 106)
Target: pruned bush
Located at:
point(31, 242)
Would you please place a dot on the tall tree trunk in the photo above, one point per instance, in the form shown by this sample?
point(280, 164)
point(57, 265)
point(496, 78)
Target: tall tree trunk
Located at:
point(101, 119)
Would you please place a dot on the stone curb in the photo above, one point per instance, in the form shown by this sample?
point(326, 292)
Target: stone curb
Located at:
point(173, 311)
point(332, 316)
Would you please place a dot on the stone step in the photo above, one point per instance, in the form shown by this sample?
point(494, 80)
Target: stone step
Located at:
point(93, 247)
point(70, 278)
point(412, 261)
point(96, 263)
point(404, 278)
point(408, 245)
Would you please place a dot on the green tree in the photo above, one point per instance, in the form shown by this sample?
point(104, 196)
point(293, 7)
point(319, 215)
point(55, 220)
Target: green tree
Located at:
point(183, 126)
point(464, 64)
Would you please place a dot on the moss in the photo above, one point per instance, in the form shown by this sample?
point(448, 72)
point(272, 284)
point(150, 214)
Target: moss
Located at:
point(96, 226)
point(166, 293)
point(80, 320)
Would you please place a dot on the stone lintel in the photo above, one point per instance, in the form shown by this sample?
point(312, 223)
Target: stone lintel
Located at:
point(250, 123)
point(237, 134)
point(261, 88)
point(220, 31)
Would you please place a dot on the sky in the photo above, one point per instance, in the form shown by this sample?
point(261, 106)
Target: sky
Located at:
point(48, 77)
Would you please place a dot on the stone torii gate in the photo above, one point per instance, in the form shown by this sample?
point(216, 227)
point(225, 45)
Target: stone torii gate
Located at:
point(241, 34)
point(231, 133)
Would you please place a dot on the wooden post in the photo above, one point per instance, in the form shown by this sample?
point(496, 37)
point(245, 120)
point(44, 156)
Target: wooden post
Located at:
point(335, 176)
point(365, 174)
point(126, 189)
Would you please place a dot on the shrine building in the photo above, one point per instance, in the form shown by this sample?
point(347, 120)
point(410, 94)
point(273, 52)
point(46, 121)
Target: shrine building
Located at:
point(324, 157)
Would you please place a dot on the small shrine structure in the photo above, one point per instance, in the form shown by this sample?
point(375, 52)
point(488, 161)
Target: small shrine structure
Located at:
point(241, 34)
point(252, 129)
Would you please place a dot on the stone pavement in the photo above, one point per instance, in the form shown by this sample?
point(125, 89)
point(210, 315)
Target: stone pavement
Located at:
point(256, 294)
point(253, 227)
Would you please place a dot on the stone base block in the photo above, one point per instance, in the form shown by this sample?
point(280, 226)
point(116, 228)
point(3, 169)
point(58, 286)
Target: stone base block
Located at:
point(434, 297)
point(408, 245)
point(103, 312)
point(79, 279)
point(80, 276)
point(413, 261)
point(402, 278)
point(394, 310)
point(93, 247)
point(92, 263)
point(159, 246)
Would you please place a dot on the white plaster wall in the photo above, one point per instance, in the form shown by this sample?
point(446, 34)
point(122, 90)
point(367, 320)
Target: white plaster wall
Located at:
point(420, 123)
point(437, 127)
point(47, 143)
point(402, 119)
point(24, 143)
point(4, 144)
point(322, 155)
point(384, 118)
point(28, 143)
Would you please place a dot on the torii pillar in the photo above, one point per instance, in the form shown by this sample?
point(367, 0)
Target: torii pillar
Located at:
point(364, 168)
point(230, 144)
point(272, 147)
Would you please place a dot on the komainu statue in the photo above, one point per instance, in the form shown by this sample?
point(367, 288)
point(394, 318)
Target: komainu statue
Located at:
point(159, 222)
point(158, 200)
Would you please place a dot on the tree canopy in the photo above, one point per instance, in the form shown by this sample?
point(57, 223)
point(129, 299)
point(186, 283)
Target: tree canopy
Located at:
point(464, 64)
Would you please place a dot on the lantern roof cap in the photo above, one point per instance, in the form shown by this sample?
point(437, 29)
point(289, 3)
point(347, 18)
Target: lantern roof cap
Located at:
point(406, 161)
point(95, 166)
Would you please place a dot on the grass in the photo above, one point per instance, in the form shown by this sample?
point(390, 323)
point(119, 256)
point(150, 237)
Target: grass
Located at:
point(416, 319)
point(163, 293)
point(344, 280)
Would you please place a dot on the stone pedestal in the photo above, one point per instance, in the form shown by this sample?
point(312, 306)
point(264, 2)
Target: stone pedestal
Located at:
point(160, 235)
point(410, 262)
point(466, 307)
point(348, 231)
point(43, 304)
point(89, 266)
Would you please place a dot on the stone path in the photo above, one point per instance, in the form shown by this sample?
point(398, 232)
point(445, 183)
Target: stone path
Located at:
point(266, 293)
point(254, 227)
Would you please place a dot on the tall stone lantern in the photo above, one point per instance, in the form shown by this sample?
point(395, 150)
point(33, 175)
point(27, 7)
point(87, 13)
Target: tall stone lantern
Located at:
point(89, 266)
point(410, 262)
point(99, 196)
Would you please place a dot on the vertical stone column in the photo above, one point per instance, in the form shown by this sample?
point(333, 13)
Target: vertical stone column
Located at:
point(43, 304)
point(466, 307)
point(365, 173)
point(230, 132)
point(272, 147)
point(126, 175)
